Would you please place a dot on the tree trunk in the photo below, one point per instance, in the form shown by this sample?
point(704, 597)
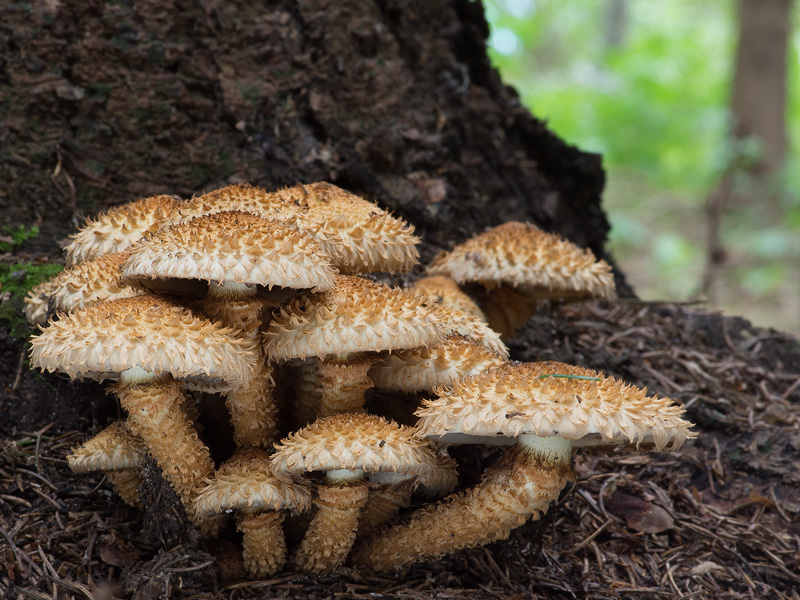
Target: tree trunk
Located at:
point(393, 100)
point(759, 84)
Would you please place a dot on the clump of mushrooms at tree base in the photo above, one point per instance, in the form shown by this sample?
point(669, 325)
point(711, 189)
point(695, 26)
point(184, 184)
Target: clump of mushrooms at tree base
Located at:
point(260, 305)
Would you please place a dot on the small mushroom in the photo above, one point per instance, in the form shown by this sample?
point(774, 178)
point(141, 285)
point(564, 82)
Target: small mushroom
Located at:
point(339, 326)
point(245, 484)
point(79, 285)
point(514, 265)
point(545, 410)
point(147, 344)
point(119, 227)
point(118, 454)
point(445, 291)
point(347, 448)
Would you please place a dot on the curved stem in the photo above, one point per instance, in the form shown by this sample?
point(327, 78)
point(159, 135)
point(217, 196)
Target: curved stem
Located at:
point(264, 546)
point(155, 414)
point(253, 411)
point(333, 529)
point(521, 484)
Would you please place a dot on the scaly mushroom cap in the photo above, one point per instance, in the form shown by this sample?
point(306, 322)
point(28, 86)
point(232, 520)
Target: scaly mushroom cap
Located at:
point(357, 315)
point(463, 324)
point(523, 256)
point(446, 291)
point(359, 441)
point(120, 226)
point(420, 369)
point(80, 285)
point(232, 246)
point(552, 399)
point(149, 332)
point(358, 236)
point(373, 240)
point(245, 482)
point(113, 448)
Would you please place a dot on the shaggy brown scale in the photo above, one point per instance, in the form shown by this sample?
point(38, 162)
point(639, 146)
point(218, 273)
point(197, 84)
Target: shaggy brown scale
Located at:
point(119, 227)
point(80, 285)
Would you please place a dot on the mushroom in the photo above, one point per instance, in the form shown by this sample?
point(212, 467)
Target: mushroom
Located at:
point(514, 265)
point(339, 326)
point(423, 369)
point(119, 227)
point(445, 291)
point(347, 449)
point(146, 344)
point(357, 235)
point(118, 454)
point(241, 256)
point(79, 285)
point(545, 409)
point(245, 484)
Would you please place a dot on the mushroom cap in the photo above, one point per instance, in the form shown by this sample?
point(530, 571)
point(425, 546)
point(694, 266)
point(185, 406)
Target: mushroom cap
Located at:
point(523, 256)
point(120, 226)
point(460, 323)
point(359, 441)
point(357, 315)
point(357, 235)
point(80, 285)
point(373, 239)
point(113, 448)
point(245, 482)
point(232, 246)
point(152, 333)
point(552, 399)
point(445, 291)
point(419, 369)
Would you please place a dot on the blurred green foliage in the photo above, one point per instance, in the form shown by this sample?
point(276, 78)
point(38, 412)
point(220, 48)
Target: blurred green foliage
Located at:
point(655, 104)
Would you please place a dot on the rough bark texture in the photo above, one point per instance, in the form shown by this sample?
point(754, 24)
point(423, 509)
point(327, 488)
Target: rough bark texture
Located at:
point(110, 101)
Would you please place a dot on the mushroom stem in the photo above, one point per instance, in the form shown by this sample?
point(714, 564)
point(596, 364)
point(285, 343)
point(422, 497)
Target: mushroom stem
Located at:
point(264, 546)
point(126, 482)
point(252, 407)
point(155, 414)
point(343, 384)
point(526, 479)
point(332, 531)
point(253, 411)
point(507, 309)
point(383, 505)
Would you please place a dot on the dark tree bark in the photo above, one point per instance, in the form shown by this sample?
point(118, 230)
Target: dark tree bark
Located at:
point(394, 100)
point(759, 86)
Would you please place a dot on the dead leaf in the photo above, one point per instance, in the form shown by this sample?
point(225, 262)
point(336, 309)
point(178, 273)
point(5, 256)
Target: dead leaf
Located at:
point(638, 514)
point(116, 557)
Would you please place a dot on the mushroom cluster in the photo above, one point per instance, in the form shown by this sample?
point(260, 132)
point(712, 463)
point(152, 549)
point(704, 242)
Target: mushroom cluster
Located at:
point(264, 301)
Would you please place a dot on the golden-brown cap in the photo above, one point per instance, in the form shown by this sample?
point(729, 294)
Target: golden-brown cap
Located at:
point(80, 285)
point(245, 482)
point(357, 315)
point(120, 226)
point(420, 369)
point(446, 291)
point(232, 246)
point(359, 441)
point(372, 239)
point(523, 256)
point(152, 333)
point(113, 448)
point(358, 236)
point(551, 398)
point(460, 323)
